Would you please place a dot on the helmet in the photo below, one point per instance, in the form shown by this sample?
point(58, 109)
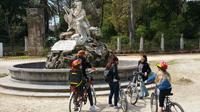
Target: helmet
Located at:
point(81, 53)
point(162, 65)
point(76, 63)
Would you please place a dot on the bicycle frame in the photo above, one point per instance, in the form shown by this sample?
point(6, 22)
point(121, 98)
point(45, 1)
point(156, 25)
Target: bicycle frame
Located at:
point(167, 104)
point(83, 98)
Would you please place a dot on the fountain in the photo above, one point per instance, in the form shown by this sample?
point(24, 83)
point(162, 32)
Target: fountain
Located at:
point(50, 78)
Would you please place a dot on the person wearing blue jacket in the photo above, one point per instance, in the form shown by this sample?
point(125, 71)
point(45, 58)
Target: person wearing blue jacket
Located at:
point(163, 82)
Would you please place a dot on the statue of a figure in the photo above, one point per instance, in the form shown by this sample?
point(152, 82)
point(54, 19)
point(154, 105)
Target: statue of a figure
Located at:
point(76, 19)
point(80, 35)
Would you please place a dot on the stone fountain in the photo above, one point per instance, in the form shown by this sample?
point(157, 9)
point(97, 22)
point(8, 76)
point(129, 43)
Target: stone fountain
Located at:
point(49, 79)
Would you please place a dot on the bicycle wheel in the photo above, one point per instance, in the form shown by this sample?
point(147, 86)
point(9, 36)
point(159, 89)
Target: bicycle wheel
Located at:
point(134, 94)
point(72, 106)
point(175, 107)
point(123, 101)
point(154, 103)
point(93, 95)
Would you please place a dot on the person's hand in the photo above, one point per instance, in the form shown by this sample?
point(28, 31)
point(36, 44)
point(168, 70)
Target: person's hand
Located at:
point(145, 74)
point(93, 69)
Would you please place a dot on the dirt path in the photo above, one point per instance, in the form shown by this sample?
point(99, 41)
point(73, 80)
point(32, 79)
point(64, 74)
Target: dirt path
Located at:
point(185, 71)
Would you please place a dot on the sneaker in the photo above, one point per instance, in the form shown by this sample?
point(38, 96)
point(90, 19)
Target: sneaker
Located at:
point(110, 105)
point(75, 108)
point(141, 97)
point(119, 105)
point(146, 95)
point(94, 108)
point(116, 107)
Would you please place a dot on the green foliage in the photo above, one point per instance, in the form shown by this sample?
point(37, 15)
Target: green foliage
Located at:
point(120, 16)
point(108, 31)
point(141, 31)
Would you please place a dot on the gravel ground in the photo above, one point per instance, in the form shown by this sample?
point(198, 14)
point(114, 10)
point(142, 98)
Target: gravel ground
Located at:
point(183, 68)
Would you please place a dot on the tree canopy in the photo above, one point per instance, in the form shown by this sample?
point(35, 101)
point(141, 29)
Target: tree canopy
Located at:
point(152, 17)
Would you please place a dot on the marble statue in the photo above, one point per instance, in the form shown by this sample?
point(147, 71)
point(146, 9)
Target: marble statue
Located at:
point(79, 35)
point(76, 19)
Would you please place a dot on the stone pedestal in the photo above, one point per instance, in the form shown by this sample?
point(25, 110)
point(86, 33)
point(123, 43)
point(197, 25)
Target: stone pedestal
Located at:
point(141, 44)
point(25, 43)
point(181, 42)
point(1, 49)
point(162, 45)
point(36, 31)
point(118, 45)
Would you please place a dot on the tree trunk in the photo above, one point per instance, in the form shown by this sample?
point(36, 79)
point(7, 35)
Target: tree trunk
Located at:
point(102, 13)
point(44, 4)
point(132, 25)
point(7, 24)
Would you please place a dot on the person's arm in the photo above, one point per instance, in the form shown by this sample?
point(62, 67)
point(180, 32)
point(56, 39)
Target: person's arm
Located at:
point(151, 79)
point(164, 84)
point(148, 69)
point(116, 72)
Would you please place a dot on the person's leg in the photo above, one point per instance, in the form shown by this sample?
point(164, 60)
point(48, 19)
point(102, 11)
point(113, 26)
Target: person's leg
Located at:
point(111, 85)
point(144, 91)
point(90, 96)
point(116, 92)
point(161, 100)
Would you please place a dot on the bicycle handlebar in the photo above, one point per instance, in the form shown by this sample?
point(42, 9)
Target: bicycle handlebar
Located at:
point(138, 73)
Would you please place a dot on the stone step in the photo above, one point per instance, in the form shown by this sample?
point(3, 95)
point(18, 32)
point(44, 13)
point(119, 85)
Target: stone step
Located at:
point(8, 83)
point(50, 94)
point(8, 86)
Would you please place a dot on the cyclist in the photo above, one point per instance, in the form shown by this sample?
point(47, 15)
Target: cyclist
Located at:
point(144, 68)
point(85, 64)
point(113, 80)
point(76, 80)
point(163, 82)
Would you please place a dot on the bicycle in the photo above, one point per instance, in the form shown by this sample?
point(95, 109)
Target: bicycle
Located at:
point(132, 88)
point(75, 105)
point(169, 106)
point(123, 100)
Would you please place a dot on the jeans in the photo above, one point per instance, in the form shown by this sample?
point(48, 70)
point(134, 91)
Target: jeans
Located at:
point(114, 90)
point(143, 90)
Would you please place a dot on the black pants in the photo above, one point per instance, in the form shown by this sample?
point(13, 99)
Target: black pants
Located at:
point(90, 96)
point(114, 90)
point(162, 95)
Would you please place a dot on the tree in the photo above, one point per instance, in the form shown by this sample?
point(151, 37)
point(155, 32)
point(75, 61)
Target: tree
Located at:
point(13, 13)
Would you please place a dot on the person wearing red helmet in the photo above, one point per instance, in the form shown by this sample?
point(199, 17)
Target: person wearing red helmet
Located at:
point(75, 74)
point(76, 79)
point(163, 82)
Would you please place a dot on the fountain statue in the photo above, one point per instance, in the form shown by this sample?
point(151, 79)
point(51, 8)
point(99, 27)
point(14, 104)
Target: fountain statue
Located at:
point(80, 35)
point(50, 78)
